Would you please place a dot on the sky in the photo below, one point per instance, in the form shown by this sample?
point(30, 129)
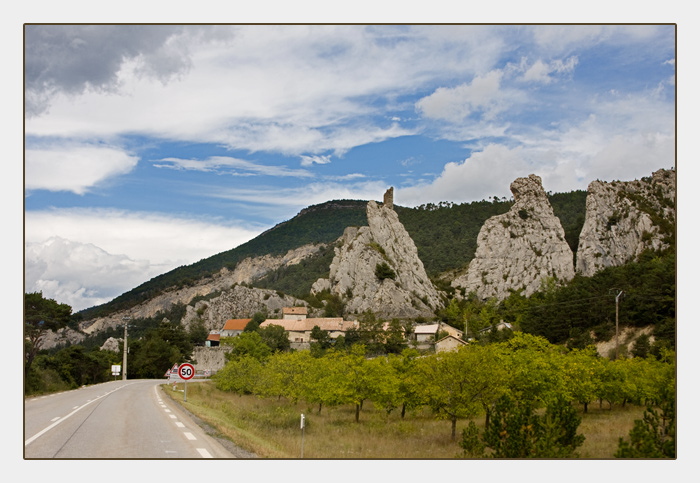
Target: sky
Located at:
point(148, 147)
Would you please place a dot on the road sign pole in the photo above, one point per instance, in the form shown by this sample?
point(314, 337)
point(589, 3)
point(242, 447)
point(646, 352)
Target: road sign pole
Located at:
point(186, 372)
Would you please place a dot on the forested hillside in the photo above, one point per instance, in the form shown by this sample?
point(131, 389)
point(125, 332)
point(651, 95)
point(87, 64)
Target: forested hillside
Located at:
point(445, 235)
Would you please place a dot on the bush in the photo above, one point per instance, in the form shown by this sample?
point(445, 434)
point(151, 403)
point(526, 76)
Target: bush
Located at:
point(384, 271)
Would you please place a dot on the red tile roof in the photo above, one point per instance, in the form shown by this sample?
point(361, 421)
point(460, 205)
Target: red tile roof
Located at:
point(236, 324)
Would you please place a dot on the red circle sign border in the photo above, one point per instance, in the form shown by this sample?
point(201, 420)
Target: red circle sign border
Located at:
point(179, 371)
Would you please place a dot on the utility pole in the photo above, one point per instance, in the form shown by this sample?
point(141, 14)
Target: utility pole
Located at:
point(617, 325)
point(126, 323)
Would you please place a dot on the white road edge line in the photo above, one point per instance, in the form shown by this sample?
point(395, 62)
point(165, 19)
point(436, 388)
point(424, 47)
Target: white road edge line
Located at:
point(33, 438)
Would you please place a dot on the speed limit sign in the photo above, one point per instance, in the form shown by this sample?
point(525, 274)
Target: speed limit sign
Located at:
point(186, 371)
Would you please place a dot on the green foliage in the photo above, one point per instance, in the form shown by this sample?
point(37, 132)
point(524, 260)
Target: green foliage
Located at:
point(275, 337)
point(384, 271)
point(41, 315)
point(198, 333)
point(516, 431)
point(247, 344)
point(588, 303)
point(69, 368)
point(654, 436)
point(321, 338)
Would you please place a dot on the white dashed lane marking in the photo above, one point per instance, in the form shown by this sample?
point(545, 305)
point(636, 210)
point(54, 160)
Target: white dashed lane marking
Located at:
point(202, 451)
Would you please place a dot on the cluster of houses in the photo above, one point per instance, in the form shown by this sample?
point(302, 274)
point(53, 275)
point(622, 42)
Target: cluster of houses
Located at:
point(298, 327)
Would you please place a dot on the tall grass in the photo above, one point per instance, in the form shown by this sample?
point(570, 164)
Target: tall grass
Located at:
point(270, 428)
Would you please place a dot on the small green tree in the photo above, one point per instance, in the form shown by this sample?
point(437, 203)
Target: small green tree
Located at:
point(275, 337)
point(247, 344)
point(384, 271)
point(654, 436)
point(516, 431)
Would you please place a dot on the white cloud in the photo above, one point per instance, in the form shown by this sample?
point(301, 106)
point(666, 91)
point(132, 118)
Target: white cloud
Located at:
point(74, 167)
point(85, 257)
point(309, 194)
point(483, 174)
point(79, 274)
point(624, 137)
point(225, 164)
point(290, 89)
point(457, 103)
point(541, 72)
point(161, 239)
point(311, 160)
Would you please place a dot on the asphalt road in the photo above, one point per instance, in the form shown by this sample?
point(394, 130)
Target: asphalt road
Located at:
point(118, 419)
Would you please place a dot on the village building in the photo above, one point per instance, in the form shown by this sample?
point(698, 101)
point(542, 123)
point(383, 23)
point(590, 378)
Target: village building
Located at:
point(499, 326)
point(213, 339)
point(425, 336)
point(234, 327)
point(293, 313)
point(299, 329)
point(449, 343)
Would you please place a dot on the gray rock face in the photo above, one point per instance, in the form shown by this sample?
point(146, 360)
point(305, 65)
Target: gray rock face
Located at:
point(625, 218)
point(112, 345)
point(66, 335)
point(238, 303)
point(246, 271)
point(520, 248)
point(403, 291)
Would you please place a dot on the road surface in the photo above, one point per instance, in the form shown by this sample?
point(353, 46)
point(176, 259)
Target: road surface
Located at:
point(118, 419)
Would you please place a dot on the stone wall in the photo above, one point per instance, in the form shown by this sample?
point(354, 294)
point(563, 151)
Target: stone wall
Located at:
point(210, 358)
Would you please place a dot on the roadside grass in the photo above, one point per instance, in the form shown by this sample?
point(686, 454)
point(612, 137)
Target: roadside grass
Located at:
point(270, 428)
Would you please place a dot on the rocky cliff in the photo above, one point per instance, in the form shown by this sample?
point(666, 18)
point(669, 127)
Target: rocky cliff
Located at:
point(227, 300)
point(238, 303)
point(625, 218)
point(520, 248)
point(376, 267)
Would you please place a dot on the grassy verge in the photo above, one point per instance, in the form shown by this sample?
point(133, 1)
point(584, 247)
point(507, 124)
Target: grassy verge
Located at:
point(271, 428)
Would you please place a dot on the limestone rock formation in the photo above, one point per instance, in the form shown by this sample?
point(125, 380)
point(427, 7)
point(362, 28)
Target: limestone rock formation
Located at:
point(625, 218)
point(377, 268)
point(237, 303)
point(65, 335)
point(112, 345)
point(520, 248)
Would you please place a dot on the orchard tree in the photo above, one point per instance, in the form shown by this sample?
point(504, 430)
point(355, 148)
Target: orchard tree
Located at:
point(451, 385)
point(409, 383)
point(535, 366)
point(582, 371)
point(242, 375)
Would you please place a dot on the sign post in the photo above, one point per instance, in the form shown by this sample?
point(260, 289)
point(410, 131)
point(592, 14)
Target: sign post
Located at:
point(186, 372)
point(302, 435)
point(116, 369)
